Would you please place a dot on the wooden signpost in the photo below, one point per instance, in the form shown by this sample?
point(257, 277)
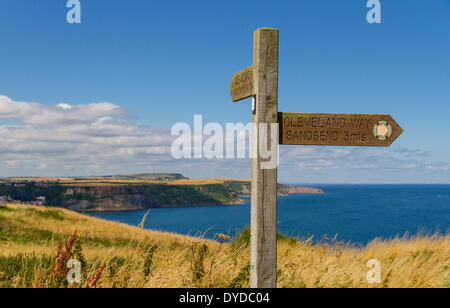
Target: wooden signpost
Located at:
point(260, 81)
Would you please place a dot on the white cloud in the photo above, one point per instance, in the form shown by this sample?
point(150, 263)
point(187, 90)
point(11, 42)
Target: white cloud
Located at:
point(35, 113)
point(76, 139)
point(64, 106)
point(97, 138)
point(42, 166)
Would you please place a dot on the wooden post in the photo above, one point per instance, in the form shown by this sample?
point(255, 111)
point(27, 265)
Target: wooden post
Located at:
point(264, 181)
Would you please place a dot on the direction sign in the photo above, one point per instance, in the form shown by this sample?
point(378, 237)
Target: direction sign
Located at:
point(242, 85)
point(337, 129)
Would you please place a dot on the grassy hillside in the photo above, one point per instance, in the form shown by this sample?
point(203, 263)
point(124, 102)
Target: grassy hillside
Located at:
point(116, 255)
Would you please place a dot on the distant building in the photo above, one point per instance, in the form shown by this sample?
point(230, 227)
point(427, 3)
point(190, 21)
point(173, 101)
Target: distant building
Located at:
point(40, 200)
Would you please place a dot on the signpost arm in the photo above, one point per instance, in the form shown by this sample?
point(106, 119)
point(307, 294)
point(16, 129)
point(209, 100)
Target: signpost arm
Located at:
point(264, 181)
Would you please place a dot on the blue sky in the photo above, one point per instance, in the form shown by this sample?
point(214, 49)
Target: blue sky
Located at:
point(162, 62)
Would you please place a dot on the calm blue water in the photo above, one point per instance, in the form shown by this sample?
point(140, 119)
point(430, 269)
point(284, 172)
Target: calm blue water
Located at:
point(356, 213)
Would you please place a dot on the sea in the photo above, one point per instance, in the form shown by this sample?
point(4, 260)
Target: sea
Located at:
point(354, 214)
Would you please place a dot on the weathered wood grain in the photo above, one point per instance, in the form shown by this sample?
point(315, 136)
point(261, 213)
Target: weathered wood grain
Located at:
point(264, 182)
point(242, 85)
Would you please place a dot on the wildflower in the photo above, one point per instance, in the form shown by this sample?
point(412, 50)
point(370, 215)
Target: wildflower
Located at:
point(222, 237)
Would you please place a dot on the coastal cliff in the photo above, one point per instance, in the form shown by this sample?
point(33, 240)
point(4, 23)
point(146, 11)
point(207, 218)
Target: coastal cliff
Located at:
point(122, 193)
point(286, 190)
point(244, 189)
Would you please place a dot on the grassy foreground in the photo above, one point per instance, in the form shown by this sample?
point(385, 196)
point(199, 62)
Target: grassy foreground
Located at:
point(116, 255)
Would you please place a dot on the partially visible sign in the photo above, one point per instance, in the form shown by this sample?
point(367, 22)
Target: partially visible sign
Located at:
point(242, 85)
point(338, 129)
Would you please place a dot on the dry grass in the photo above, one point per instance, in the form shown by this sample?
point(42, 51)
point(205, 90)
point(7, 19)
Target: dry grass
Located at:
point(202, 181)
point(134, 257)
point(122, 182)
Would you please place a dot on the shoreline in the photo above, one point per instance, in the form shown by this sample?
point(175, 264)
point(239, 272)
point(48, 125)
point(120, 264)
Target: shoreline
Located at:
point(237, 202)
point(118, 210)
